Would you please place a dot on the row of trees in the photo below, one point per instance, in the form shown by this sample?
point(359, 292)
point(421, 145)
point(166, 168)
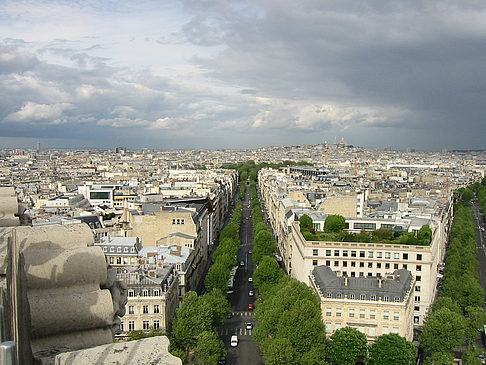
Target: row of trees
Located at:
point(224, 257)
point(197, 320)
point(334, 231)
point(457, 314)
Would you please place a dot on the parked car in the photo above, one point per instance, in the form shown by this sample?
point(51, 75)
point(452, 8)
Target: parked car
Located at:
point(242, 263)
point(250, 293)
point(250, 279)
point(251, 306)
point(249, 326)
point(234, 341)
point(222, 360)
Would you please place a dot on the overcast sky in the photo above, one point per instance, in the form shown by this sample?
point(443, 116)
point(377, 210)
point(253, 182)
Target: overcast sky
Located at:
point(243, 74)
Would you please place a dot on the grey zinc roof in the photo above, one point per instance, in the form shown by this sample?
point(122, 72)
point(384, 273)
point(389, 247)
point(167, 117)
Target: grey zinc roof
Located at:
point(332, 285)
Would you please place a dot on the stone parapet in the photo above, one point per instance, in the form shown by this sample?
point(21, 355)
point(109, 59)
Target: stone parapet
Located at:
point(153, 351)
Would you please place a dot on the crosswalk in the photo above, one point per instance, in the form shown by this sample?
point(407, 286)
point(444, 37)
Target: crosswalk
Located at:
point(235, 331)
point(244, 314)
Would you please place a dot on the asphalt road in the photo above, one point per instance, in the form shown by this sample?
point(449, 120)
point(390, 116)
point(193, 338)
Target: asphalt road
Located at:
point(481, 243)
point(247, 352)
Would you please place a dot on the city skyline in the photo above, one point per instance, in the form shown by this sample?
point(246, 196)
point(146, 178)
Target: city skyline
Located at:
point(212, 74)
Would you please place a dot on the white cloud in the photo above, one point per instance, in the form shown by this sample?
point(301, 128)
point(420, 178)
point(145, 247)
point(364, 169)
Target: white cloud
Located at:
point(40, 113)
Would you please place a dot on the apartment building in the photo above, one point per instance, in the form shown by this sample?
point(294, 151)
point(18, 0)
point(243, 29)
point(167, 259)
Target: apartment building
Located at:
point(374, 305)
point(152, 298)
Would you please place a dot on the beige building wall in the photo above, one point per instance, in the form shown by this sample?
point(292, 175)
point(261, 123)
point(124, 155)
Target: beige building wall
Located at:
point(373, 318)
point(340, 205)
point(151, 228)
point(372, 259)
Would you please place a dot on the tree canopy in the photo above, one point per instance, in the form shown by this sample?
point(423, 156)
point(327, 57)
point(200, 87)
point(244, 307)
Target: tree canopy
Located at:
point(334, 223)
point(392, 349)
point(347, 346)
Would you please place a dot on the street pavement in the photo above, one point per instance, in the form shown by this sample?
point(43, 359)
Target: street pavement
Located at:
point(247, 352)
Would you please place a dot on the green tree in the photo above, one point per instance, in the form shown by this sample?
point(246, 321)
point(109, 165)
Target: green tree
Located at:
point(476, 319)
point(305, 222)
point(209, 348)
point(443, 330)
point(392, 349)
point(334, 223)
point(471, 357)
point(446, 302)
point(217, 277)
point(267, 273)
point(220, 307)
point(440, 358)
point(279, 351)
point(425, 234)
point(190, 320)
point(347, 346)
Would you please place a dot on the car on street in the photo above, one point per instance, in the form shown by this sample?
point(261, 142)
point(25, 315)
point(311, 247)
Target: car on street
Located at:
point(250, 279)
point(234, 341)
point(242, 263)
point(251, 306)
point(250, 293)
point(250, 252)
point(249, 326)
point(222, 360)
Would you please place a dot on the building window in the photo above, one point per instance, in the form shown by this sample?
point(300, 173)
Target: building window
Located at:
point(338, 312)
point(336, 263)
point(145, 325)
point(353, 263)
point(173, 221)
point(122, 325)
point(131, 325)
point(112, 260)
point(379, 255)
point(112, 249)
point(145, 293)
point(378, 265)
point(362, 297)
point(352, 296)
point(131, 293)
point(361, 264)
point(362, 313)
point(156, 292)
point(405, 256)
point(370, 226)
point(145, 309)
point(156, 308)
point(418, 278)
point(314, 262)
point(416, 308)
point(125, 249)
point(361, 254)
point(345, 253)
point(370, 265)
point(328, 263)
point(370, 254)
point(372, 332)
point(387, 266)
point(396, 256)
point(386, 298)
point(417, 298)
point(336, 252)
point(419, 268)
point(396, 316)
point(156, 324)
point(386, 315)
point(419, 257)
point(404, 266)
point(328, 252)
point(353, 253)
point(118, 249)
point(397, 299)
point(385, 330)
point(372, 314)
point(345, 264)
point(329, 295)
point(339, 295)
point(417, 288)
point(387, 255)
point(372, 297)
point(328, 312)
point(315, 252)
point(395, 266)
point(131, 309)
point(351, 313)
point(416, 319)
point(118, 260)
point(328, 327)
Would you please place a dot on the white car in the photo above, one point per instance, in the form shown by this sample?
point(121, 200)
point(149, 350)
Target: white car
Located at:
point(250, 279)
point(234, 341)
point(250, 293)
point(249, 326)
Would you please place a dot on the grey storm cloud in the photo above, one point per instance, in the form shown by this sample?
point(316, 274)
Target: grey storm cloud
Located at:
point(400, 73)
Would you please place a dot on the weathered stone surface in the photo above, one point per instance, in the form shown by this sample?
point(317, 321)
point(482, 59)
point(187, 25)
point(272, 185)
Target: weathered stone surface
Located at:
point(148, 351)
point(9, 207)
